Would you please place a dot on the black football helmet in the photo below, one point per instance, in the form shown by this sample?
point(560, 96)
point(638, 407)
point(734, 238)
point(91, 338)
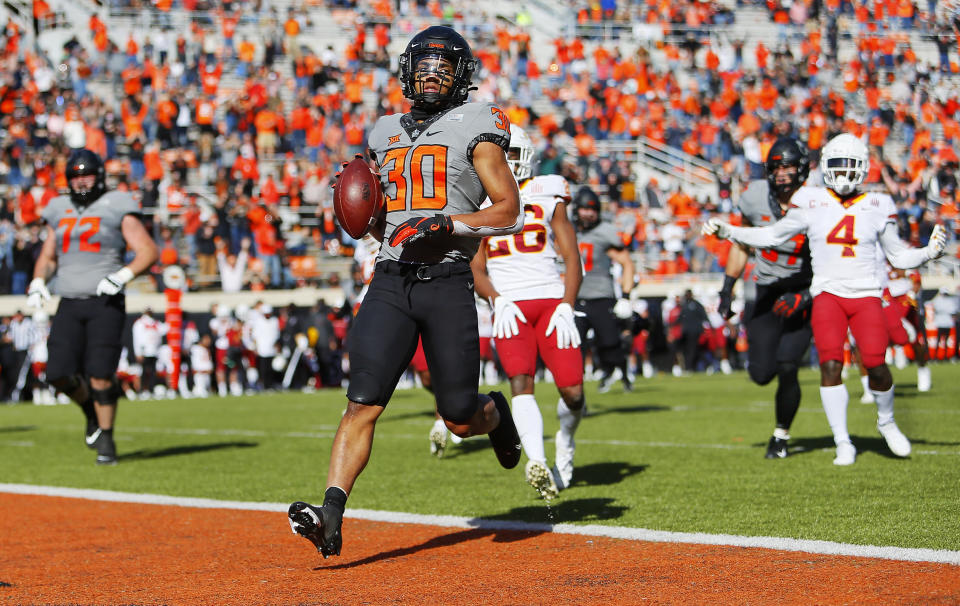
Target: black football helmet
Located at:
point(84, 162)
point(787, 151)
point(424, 57)
point(587, 199)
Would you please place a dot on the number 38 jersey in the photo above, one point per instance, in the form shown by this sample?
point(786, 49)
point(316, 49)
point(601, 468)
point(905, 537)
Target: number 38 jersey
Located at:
point(90, 245)
point(426, 168)
point(523, 266)
point(786, 265)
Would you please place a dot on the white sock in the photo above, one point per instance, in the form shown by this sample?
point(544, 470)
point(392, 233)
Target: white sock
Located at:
point(835, 400)
point(781, 433)
point(529, 421)
point(865, 381)
point(569, 419)
point(884, 405)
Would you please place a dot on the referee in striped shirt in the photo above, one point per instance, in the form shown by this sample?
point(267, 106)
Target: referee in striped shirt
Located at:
point(22, 333)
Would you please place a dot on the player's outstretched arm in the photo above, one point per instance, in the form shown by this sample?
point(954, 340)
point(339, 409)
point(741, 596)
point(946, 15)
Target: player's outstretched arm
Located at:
point(565, 241)
point(622, 256)
point(482, 284)
point(903, 256)
point(771, 235)
point(505, 214)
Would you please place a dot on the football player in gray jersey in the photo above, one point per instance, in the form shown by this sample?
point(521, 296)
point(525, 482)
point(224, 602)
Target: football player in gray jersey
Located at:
point(437, 164)
point(600, 246)
point(777, 321)
point(88, 233)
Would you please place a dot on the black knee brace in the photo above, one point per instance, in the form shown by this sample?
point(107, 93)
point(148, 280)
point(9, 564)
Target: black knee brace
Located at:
point(74, 387)
point(105, 397)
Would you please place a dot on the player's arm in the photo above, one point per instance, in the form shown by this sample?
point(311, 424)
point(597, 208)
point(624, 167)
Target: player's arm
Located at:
point(759, 237)
point(622, 256)
point(565, 240)
point(505, 213)
point(482, 283)
point(47, 259)
point(736, 262)
point(138, 239)
point(37, 292)
point(903, 256)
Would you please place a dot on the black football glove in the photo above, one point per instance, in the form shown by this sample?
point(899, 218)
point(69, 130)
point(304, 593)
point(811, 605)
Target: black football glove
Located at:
point(726, 298)
point(416, 228)
point(792, 304)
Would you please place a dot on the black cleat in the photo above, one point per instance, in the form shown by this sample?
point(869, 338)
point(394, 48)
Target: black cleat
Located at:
point(321, 525)
point(91, 434)
point(106, 449)
point(776, 448)
point(504, 437)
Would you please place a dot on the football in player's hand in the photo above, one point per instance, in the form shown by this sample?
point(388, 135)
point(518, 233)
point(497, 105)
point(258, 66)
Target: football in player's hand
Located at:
point(357, 198)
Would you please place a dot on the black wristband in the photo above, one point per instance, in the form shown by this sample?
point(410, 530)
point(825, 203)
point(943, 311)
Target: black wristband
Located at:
point(728, 282)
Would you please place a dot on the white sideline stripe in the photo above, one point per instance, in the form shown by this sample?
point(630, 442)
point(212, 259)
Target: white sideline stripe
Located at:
point(590, 530)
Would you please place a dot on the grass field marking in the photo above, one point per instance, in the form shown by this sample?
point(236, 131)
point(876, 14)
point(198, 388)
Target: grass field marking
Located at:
point(254, 433)
point(590, 530)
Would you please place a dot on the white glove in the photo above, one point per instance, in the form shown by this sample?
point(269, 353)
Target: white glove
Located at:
point(505, 316)
point(622, 309)
point(37, 293)
point(716, 227)
point(937, 243)
point(114, 283)
point(563, 321)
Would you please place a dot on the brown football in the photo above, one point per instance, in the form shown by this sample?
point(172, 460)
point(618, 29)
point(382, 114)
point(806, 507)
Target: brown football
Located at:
point(357, 198)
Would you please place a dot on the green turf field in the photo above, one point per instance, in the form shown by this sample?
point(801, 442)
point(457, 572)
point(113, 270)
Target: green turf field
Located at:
point(679, 454)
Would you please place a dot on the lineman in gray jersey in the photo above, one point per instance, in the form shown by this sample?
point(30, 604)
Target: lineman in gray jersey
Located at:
point(777, 321)
point(88, 233)
point(600, 245)
point(436, 165)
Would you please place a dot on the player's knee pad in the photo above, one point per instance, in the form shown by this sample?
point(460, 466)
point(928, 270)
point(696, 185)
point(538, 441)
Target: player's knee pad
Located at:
point(457, 406)
point(761, 373)
point(787, 372)
point(105, 397)
point(365, 388)
point(73, 386)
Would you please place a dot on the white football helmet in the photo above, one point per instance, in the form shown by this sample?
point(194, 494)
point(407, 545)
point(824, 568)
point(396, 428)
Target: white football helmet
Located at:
point(844, 162)
point(522, 146)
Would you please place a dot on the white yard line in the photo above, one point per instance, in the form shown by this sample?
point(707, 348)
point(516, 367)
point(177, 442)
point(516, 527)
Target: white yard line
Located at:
point(589, 530)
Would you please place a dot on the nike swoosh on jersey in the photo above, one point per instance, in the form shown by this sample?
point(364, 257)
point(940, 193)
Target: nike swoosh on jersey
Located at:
point(436, 132)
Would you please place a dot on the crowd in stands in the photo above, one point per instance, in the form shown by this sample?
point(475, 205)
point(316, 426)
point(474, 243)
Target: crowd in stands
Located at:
point(231, 158)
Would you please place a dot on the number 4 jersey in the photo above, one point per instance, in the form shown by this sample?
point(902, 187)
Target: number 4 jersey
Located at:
point(90, 245)
point(786, 265)
point(843, 236)
point(523, 266)
point(426, 168)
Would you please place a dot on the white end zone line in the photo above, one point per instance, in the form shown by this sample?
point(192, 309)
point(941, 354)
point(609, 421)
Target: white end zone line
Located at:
point(590, 530)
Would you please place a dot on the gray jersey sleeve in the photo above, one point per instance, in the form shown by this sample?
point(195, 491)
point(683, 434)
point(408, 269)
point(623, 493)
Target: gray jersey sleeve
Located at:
point(90, 242)
point(427, 168)
point(787, 264)
point(594, 244)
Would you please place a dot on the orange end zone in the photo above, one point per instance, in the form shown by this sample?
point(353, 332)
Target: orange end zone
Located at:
point(59, 550)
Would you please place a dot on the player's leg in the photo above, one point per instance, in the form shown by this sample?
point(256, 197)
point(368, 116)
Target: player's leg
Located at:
point(103, 349)
point(609, 348)
point(565, 366)
point(867, 316)
point(921, 353)
point(65, 345)
point(447, 317)
point(829, 323)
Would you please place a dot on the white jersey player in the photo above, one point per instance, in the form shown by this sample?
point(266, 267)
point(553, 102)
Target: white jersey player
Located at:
point(532, 301)
point(844, 227)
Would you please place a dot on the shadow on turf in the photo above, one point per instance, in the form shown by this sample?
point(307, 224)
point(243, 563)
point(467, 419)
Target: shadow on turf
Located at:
point(875, 444)
point(598, 411)
point(17, 428)
point(156, 453)
point(579, 510)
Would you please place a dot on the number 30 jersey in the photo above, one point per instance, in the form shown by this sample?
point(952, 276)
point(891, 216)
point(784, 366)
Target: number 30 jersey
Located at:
point(90, 245)
point(786, 265)
point(523, 266)
point(843, 236)
point(426, 168)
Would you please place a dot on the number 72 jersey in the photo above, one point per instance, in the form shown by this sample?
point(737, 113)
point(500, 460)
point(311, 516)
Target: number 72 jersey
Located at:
point(90, 243)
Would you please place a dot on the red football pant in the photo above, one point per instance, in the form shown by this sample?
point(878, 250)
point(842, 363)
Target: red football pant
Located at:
point(833, 315)
point(518, 354)
point(897, 310)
